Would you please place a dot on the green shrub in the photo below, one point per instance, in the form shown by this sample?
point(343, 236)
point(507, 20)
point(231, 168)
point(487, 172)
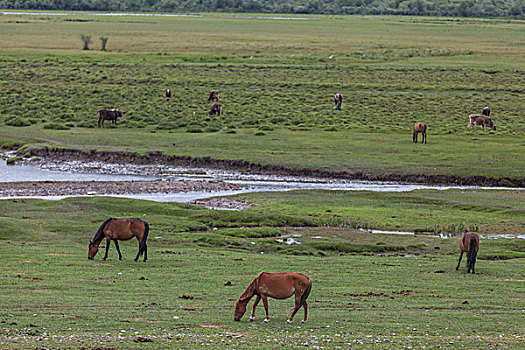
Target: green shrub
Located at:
point(18, 121)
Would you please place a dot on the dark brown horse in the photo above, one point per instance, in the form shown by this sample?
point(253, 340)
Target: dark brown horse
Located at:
point(481, 119)
point(168, 94)
point(214, 95)
point(216, 107)
point(120, 229)
point(338, 100)
point(486, 111)
point(108, 114)
point(469, 243)
point(420, 128)
point(278, 286)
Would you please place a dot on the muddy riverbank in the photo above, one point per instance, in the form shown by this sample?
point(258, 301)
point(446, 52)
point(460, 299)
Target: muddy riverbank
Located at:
point(160, 158)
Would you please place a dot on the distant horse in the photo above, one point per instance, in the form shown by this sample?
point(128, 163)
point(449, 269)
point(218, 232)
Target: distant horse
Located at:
point(469, 243)
point(486, 111)
point(168, 94)
point(481, 119)
point(338, 100)
point(108, 114)
point(216, 107)
point(420, 128)
point(214, 95)
point(120, 229)
point(276, 285)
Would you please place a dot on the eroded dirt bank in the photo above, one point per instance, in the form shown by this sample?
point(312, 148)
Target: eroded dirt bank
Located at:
point(244, 166)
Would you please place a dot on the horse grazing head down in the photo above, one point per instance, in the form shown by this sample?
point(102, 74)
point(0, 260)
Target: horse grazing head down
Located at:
point(93, 250)
point(240, 310)
point(216, 108)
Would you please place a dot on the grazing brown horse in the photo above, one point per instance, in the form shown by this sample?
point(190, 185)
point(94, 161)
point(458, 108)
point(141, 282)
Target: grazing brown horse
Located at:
point(480, 119)
point(168, 94)
point(486, 111)
point(420, 128)
point(108, 114)
point(469, 243)
point(120, 229)
point(278, 286)
point(216, 107)
point(338, 100)
point(214, 95)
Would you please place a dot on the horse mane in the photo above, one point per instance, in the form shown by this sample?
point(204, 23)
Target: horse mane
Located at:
point(100, 231)
point(249, 291)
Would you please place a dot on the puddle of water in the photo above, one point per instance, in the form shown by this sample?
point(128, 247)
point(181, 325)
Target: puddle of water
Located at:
point(288, 240)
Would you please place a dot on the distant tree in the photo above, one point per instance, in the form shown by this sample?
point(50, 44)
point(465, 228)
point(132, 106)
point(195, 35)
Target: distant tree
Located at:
point(86, 39)
point(103, 42)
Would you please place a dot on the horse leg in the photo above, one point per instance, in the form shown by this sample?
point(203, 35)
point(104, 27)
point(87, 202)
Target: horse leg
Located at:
point(118, 249)
point(424, 137)
point(145, 252)
point(265, 303)
point(296, 308)
point(305, 306)
point(108, 241)
point(252, 317)
point(459, 261)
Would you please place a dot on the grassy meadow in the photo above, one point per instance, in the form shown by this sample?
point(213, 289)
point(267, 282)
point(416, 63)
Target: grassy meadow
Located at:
point(277, 79)
point(369, 291)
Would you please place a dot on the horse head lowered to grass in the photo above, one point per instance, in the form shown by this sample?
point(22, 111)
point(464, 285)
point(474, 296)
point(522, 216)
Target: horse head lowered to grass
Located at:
point(278, 286)
point(120, 229)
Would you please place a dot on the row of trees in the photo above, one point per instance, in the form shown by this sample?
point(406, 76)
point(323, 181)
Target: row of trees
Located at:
point(461, 8)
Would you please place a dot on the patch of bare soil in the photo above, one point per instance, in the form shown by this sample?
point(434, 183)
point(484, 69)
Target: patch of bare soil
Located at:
point(223, 203)
point(66, 188)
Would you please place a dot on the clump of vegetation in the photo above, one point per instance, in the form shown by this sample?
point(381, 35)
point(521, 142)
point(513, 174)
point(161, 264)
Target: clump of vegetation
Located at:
point(86, 40)
point(18, 121)
point(103, 42)
point(56, 126)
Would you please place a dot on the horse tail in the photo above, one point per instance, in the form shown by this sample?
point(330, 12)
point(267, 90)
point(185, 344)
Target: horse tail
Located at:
point(472, 251)
point(100, 230)
point(305, 295)
point(144, 238)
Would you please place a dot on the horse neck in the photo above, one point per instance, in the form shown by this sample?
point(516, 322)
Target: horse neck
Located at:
point(100, 233)
point(248, 292)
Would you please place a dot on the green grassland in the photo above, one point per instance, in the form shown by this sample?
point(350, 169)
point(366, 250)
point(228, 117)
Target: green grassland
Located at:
point(370, 291)
point(277, 80)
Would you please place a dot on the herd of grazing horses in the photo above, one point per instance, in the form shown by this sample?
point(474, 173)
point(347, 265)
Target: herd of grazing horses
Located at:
point(482, 119)
point(275, 285)
point(281, 285)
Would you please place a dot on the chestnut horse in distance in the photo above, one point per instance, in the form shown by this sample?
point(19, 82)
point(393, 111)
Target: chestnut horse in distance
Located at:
point(420, 128)
point(469, 243)
point(278, 286)
point(120, 229)
point(214, 95)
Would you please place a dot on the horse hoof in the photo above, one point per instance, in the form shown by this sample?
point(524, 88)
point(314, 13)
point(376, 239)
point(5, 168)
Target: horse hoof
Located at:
point(303, 321)
point(266, 320)
point(103, 259)
point(251, 319)
point(288, 321)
